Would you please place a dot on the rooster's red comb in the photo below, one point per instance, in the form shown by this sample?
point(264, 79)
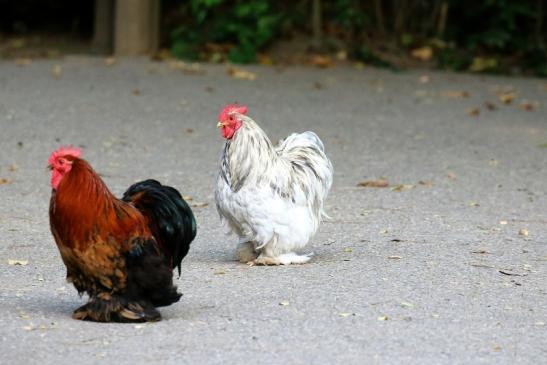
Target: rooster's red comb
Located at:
point(232, 108)
point(64, 151)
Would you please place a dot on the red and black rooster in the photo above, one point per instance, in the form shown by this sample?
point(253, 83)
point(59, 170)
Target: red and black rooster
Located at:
point(120, 252)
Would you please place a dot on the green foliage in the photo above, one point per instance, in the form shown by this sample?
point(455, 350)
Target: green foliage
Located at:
point(508, 31)
point(248, 25)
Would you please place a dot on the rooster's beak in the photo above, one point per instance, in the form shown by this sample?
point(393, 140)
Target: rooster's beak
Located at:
point(220, 125)
point(49, 167)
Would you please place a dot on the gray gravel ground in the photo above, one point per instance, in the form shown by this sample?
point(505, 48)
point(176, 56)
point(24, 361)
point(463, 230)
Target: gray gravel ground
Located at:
point(435, 274)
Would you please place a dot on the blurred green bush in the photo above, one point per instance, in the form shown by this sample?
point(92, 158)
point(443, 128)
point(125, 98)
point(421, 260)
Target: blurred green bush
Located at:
point(480, 36)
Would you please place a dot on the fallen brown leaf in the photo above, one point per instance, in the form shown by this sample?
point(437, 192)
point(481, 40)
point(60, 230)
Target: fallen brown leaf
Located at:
point(523, 232)
point(481, 64)
point(109, 61)
point(4, 181)
point(185, 68)
point(428, 183)
point(265, 60)
point(238, 73)
point(321, 61)
point(507, 97)
point(380, 183)
point(394, 257)
point(342, 55)
point(456, 94)
point(383, 318)
point(489, 105)
point(480, 252)
point(403, 187)
point(451, 175)
point(527, 105)
point(424, 79)
point(136, 92)
point(23, 62)
point(199, 205)
point(187, 198)
point(474, 112)
point(57, 71)
point(422, 53)
point(13, 167)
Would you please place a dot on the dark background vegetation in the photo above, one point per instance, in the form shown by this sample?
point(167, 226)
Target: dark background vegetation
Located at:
point(498, 36)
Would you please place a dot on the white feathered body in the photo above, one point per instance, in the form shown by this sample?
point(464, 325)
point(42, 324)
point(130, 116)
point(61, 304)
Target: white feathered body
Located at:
point(273, 196)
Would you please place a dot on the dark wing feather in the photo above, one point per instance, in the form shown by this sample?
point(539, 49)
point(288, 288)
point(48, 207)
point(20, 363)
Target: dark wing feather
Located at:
point(170, 218)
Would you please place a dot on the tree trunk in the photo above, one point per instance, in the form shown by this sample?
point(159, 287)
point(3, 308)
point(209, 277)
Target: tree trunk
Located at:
point(103, 33)
point(317, 25)
point(137, 27)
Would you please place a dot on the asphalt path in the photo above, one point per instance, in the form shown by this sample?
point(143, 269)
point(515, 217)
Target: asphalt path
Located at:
point(446, 265)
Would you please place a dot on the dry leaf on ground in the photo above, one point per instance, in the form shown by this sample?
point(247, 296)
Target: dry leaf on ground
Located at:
point(383, 318)
point(403, 187)
point(482, 64)
point(185, 68)
point(474, 112)
point(489, 105)
point(109, 61)
point(394, 257)
point(199, 205)
point(345, 314)
point(424, 79)
point(321, 61)
point(284, 303)
point(507, 97)
point(238, 73)
point(13, 167)
point(23, 62)
point(4, 181)
point(57, 71)
point(523, 232)
point(380, 183)
point(18, 262)
point(422, 53)
point(427, 183)
point(136, 92)
point(451, 175)
point(187, 198)
point(528, 105)
point(456, 94)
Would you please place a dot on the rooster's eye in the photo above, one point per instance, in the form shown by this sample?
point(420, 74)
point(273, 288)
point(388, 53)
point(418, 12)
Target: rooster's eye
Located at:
point(231, 117)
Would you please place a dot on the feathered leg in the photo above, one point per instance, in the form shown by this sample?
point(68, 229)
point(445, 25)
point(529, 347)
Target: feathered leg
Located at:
point(246, 252)
point(115, 308)
point(270, 255)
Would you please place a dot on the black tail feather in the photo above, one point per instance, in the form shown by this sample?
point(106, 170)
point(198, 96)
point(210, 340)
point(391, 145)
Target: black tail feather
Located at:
point(171, 219)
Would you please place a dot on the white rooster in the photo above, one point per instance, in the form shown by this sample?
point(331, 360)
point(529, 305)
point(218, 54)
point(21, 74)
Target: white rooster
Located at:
point(271, 196)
